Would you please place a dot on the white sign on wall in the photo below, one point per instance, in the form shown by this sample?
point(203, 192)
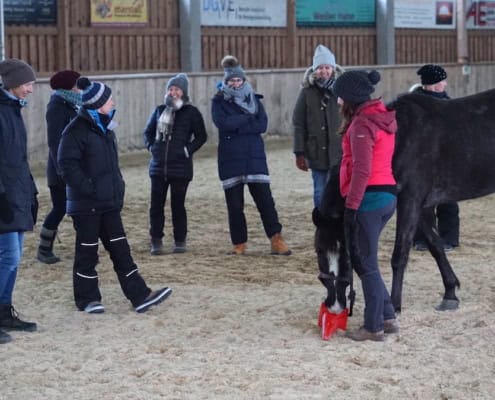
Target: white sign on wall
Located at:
point(441, 14)
point(260, 13)
point(424, 14)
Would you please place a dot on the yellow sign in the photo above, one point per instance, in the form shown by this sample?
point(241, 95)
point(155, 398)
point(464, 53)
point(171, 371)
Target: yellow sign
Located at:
point(119, 12)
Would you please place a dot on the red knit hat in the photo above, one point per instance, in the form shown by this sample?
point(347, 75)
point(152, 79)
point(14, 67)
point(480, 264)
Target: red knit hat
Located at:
point(64, 79)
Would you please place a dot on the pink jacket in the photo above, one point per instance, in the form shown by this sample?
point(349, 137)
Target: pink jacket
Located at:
point(368, 147)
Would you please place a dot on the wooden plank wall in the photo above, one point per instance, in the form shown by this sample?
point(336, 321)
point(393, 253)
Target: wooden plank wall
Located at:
point(75, 44)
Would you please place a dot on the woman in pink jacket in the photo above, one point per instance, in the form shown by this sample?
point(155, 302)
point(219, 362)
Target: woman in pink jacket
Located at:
point(369, 189)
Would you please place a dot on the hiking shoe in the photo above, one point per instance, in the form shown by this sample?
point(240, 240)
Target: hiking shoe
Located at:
point(10, 321)
point(448, 247)
point(420, 246)
point(390, 326)
point(4, 337)
point(278, 246)
point(179, 247)
point(95, 307)
point(155, 297)
point(239, 249)
point(363, 334)
point(156, 246)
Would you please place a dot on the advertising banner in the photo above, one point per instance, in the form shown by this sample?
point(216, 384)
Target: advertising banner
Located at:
point(255, 13)
point(119, 12)
point(335, 13)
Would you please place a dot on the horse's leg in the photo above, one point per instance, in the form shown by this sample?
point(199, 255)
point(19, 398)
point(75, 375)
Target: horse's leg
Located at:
point(408, 212)
point(450, 281)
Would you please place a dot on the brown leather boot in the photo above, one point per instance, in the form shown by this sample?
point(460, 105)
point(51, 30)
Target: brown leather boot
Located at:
point(239, 249)
point(278, 246)
point(363, 334)
point(390, 326)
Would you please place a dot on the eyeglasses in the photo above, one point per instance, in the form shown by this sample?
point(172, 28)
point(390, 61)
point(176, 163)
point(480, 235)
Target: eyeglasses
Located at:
point(236, 80)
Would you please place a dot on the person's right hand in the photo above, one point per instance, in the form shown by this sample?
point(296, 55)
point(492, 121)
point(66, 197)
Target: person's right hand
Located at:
point(6, 212)
point(301, 163)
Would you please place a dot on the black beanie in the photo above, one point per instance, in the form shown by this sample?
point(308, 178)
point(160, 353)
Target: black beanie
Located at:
point(431, 74)
point(65, 79)
point(355, 87)
point(95, 94)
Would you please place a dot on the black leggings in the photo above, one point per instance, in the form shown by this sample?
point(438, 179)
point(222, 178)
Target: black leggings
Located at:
point(57, 213)
point(178, 190)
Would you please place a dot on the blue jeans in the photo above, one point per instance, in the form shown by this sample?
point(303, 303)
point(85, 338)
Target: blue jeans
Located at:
point(378, 305)
point(320, 179)
point(10, 257)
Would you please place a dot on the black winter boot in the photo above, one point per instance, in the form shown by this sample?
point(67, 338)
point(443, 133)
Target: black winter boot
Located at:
point(45, 249)
point(4, 337)
point(10, 321)
point(156, 246)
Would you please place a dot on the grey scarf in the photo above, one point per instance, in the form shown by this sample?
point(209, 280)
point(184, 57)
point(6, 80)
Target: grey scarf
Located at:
point(166, 120)
point(243, 97)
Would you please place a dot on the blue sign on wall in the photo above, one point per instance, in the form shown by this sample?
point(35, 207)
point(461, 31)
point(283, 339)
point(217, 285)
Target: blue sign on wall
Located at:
point(33, 12)
point(335, 13)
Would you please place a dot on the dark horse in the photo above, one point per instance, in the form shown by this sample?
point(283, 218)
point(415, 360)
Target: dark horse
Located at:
point(444, 151)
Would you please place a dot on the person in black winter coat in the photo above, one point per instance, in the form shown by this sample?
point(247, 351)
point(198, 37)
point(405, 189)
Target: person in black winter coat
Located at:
point(240, 118)
point(18, 204)
point(88, 160)
point(173, 133)
point(62, 107)
point(446, 215)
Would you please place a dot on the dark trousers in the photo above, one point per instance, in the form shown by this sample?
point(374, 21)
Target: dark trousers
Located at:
point(107, 227)
point(378, 305)
point(57, 213)
point(178, 190)
point(447, 219)
point(262, 196)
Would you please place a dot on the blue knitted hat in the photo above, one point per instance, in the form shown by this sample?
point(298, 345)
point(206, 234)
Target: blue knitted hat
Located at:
point(232, 68)
point(355, 87)
point(95, 94)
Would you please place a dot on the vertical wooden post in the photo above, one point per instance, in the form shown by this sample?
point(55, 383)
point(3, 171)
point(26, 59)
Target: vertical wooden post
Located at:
point(63, 37)
point(291, 55)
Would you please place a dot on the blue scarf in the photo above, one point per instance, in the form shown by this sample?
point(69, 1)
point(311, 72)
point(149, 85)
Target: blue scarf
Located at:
point(243, 97)
point(70, 96)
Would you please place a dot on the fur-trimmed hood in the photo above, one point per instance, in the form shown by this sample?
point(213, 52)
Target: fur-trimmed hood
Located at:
point(310, 76)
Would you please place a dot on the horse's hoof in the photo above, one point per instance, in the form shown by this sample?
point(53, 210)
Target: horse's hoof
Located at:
point(448, 305)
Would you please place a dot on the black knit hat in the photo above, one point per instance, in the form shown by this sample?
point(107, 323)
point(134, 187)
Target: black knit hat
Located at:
point(95, 94)
point(431, 74)
point(65, 79)
point(15, 72)
point(356, 86)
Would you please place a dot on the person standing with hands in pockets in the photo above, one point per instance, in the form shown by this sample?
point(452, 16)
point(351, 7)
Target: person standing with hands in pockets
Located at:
point(18, 204)
point(369, 189)
point(174, 132)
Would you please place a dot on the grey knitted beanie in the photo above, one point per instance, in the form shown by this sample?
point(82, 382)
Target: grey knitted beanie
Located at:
point(15, 72)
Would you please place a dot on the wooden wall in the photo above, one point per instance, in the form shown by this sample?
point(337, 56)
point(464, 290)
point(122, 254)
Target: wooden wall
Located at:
point(74, 43)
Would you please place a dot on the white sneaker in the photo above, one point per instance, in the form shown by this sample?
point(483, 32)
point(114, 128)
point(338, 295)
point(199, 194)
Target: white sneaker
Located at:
point(94, 307)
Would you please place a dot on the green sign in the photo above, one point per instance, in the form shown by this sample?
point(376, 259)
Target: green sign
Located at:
point(335, 12)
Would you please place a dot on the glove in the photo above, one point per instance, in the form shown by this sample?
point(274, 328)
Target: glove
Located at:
point(351, 230)
point(301, 163)
point(34, 209)
point(6, 211)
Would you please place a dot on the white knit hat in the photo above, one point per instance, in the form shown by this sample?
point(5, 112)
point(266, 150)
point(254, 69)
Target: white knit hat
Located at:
point(323, 56)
